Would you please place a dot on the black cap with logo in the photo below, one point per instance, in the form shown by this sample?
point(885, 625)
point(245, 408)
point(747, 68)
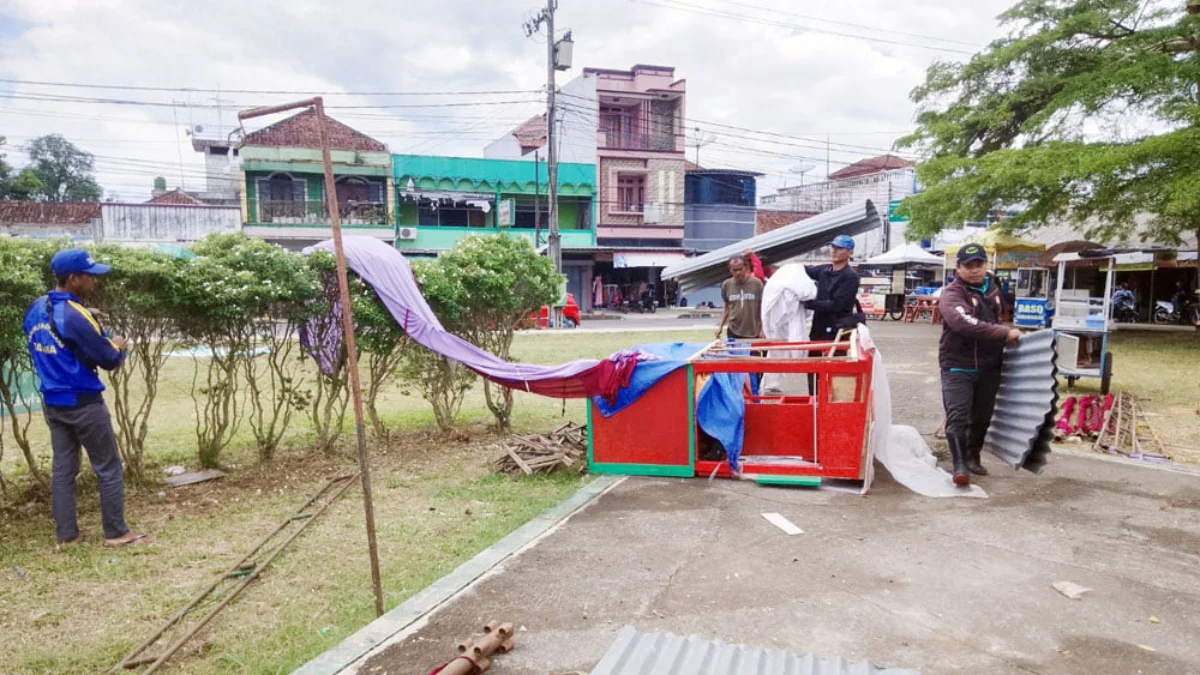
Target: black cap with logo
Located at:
point(970, 253)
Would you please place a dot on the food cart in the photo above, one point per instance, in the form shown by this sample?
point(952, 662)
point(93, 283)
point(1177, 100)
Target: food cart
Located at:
point(1032, 307)
point(899, 260)
point(877, 299)
point(1082, 321)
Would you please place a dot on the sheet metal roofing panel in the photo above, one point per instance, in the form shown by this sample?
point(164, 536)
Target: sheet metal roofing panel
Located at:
point(777, 245)
point(637, 653)
point(1023, 424)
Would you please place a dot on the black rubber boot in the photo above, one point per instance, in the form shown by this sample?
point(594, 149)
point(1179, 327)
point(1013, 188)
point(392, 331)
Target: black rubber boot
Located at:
point(958, 453)
point(973, 464)
point(974, 448)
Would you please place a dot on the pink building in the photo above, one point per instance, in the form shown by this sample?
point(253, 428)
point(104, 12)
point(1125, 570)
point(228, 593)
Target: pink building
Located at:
point(640, 156)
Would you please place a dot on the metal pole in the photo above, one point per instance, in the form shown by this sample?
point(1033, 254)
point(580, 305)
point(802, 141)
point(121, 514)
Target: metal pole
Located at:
point(335, 223)
point(537, 199)
point(551, 150)
point(360, 428)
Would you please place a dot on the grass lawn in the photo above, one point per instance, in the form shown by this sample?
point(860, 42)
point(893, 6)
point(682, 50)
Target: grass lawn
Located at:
point(1164, 370)
point(78, 610)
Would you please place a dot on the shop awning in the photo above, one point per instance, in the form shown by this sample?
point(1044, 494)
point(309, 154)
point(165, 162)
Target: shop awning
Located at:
point(622, 259)
point(778, 245)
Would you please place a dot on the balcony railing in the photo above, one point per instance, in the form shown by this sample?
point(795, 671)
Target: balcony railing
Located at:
point(635, 140)
point(316, 213)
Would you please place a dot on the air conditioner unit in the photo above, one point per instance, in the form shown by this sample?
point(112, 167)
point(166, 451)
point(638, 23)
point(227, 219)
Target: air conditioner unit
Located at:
point(652, 213)
point(407, 234)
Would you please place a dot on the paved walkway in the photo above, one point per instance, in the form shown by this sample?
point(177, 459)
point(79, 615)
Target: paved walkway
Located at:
point(941, 586)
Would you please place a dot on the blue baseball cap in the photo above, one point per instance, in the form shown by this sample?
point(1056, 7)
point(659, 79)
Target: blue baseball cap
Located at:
point(76, 261)
point(843, 241)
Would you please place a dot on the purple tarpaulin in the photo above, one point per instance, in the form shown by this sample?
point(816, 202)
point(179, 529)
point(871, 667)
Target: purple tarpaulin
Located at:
point(387, 271)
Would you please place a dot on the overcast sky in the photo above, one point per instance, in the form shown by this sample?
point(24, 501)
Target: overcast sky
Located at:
point(800, 68)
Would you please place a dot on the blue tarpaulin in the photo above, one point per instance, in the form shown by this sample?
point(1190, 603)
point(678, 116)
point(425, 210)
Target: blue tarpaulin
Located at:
point(720, 408)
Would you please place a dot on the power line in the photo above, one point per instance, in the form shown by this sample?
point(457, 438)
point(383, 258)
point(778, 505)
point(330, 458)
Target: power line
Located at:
point(53, 98)
point(850, 24)
point(288, 92)
point(705, 11)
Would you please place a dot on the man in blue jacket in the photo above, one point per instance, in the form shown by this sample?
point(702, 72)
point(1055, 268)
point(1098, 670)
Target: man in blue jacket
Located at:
point(68, 344)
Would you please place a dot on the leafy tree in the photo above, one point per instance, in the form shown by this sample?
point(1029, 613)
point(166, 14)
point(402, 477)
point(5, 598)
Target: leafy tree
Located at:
point(322, 341)
point(440, 381)
point(5, 170)
point(64, 170)
point(381, 343)
point(497, 282)
point(26, 185)
point(1087, 109)
point(24, 272)
point(160, 184)
point(140, 296)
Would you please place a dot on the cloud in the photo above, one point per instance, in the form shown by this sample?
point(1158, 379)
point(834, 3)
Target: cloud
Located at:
point(797, 79)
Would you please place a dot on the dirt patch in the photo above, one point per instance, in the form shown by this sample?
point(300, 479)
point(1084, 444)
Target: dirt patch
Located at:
point(1169, 538)
point(1086, 655)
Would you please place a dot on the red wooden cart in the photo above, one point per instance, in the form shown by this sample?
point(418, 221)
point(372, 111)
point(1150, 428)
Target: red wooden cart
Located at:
point(825, 436)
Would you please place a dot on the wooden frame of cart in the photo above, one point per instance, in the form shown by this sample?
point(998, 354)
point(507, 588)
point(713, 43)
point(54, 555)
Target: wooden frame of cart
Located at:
point(801, 436)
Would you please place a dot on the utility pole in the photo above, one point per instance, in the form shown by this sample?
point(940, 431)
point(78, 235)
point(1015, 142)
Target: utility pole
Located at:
point(558, 57)
point(537, 200)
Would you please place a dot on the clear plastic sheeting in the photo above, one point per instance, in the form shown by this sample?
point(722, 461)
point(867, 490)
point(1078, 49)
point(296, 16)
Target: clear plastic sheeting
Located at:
point(785, 318)
point(901, 449)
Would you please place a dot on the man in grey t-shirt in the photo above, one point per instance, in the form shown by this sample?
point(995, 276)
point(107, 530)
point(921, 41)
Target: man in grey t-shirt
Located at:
point(742, 294)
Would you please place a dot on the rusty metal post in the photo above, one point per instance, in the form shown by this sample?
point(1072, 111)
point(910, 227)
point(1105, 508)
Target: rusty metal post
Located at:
point(335, 223)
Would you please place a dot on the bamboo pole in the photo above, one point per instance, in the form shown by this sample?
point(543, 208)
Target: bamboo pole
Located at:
point(335, 224)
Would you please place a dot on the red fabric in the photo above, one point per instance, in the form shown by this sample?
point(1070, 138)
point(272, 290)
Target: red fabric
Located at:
point(606, 379)
point(756, 267)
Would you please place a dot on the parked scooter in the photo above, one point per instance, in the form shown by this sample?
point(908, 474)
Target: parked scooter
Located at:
point(1165, 312)
point(1125, 311)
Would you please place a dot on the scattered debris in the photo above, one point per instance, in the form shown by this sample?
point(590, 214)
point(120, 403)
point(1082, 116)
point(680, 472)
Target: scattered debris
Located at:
point(20, 572)
point(475, 656)
point(789, 528)
point(175, 470)
point(1154, 619)
point(1071, 590)
point(1148, 648)
point(1126, 430)
point(195, 477)
point(566, 446)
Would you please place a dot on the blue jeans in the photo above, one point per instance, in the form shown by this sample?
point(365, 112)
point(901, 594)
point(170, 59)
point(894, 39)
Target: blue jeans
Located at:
point(90, 426)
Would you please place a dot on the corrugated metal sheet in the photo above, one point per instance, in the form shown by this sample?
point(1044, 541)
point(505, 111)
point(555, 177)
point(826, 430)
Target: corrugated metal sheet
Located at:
point(1023, 424)
point(637, 653)
point(778, 245)
point(166, 222)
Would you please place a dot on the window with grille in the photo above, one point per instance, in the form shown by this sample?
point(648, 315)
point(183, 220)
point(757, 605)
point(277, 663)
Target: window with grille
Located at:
point(631, 192)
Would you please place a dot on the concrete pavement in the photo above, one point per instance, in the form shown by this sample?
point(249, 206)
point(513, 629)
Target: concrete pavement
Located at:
point(941, 586)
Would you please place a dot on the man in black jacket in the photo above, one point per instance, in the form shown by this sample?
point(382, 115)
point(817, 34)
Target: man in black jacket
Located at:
point(837, 289)
point(970, 355)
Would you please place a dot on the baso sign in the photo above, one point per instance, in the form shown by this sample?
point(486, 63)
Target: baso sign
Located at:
point(1030, 312)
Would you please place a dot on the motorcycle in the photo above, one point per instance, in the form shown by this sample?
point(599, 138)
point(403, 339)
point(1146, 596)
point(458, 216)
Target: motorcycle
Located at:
point(1170, 312)
point(1165, 312)
point(1125, 311)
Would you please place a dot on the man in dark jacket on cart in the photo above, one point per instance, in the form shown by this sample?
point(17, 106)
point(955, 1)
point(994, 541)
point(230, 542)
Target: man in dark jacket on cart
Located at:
point(970, 355)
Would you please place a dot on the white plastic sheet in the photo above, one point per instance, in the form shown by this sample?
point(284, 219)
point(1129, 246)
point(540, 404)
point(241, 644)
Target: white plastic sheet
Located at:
point(784, 317)
point(901, 449)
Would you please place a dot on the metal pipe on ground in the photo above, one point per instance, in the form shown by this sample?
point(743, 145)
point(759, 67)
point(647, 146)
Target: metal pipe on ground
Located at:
point(132, 659)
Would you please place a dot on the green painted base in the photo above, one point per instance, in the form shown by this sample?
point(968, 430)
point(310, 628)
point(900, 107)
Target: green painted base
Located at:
point(789, 481)
point(642, 470)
